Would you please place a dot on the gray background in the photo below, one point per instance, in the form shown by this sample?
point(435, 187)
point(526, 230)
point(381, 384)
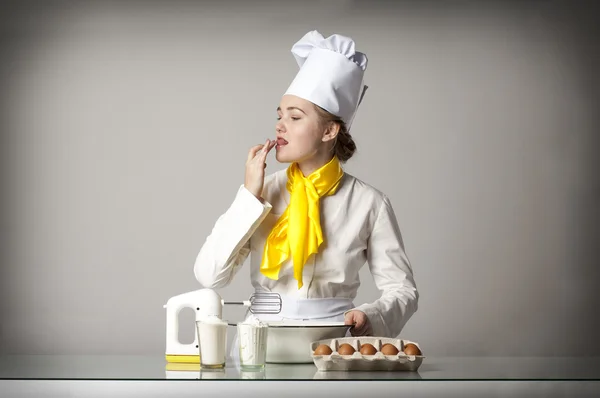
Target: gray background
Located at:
point(125, 128)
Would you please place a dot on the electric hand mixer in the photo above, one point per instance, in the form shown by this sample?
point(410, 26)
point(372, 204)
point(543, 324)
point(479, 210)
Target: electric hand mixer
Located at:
point(207, 302)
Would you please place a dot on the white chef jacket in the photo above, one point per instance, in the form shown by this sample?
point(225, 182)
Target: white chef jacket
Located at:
point(359, 226)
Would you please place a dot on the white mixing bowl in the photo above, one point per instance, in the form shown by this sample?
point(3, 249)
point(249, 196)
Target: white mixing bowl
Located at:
point(289, 341)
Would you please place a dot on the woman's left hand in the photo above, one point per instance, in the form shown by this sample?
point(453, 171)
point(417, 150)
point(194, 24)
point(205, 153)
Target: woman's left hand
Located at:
point(362, 326)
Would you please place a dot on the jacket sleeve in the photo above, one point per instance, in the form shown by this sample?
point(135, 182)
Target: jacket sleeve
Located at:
point(228, 245)
point(393, 275)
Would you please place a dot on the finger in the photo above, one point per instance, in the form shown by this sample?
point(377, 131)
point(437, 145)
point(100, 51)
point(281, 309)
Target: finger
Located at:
point(359, 322)
point(349, 318)
point(265, 151)
point(253, 150)
point(361, 326)
point(359, 331)
point(272, 145)
point(267, 146)
point(260, 154)
point(366, 329)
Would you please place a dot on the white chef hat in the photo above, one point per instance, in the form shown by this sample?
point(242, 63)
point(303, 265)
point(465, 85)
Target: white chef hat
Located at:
point(331, 74)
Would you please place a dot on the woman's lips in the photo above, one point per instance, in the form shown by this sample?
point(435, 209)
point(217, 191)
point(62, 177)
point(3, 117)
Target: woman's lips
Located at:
point(281, 142)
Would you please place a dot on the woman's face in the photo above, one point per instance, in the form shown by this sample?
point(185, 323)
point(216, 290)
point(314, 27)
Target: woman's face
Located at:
point(299, 133)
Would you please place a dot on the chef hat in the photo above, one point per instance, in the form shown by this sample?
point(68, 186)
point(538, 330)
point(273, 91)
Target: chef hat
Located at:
point(331, 74)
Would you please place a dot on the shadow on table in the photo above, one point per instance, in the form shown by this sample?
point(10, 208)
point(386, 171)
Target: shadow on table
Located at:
point(274, 372)
point(375, 375)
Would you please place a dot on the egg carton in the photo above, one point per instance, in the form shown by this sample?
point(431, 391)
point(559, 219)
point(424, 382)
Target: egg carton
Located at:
point(360, 362)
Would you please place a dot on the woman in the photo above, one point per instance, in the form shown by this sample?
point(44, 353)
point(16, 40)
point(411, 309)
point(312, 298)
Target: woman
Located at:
point(309, 229)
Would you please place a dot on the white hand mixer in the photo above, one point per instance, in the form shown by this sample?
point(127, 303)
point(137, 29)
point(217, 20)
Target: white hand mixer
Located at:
point(205, 303)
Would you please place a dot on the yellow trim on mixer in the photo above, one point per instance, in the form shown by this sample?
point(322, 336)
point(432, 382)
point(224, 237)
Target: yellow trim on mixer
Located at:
point(189, 367)
point(183, 358)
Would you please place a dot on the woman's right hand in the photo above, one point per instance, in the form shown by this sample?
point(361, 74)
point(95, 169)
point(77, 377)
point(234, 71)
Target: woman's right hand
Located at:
point(255, 167)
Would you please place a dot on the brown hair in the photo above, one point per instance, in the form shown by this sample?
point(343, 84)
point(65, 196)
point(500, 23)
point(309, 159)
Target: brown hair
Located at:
point(344, 146)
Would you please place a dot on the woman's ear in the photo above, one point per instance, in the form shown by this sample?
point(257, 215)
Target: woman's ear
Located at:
point(331, 132)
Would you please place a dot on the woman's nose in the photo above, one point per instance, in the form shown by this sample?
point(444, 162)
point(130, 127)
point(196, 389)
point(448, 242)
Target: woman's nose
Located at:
point(279, 127)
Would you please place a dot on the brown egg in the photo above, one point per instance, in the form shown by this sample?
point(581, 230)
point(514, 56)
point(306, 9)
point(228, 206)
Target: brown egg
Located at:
point(346, 349)
point(389, 349)
point(368, 349)
point(323, 349)
point(411, 349)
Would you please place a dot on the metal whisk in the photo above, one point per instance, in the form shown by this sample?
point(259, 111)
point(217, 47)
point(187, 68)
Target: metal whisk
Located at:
point(261, 303)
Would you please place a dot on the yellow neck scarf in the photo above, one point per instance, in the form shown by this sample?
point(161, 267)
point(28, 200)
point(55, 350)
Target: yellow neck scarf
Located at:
point(298, 230)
